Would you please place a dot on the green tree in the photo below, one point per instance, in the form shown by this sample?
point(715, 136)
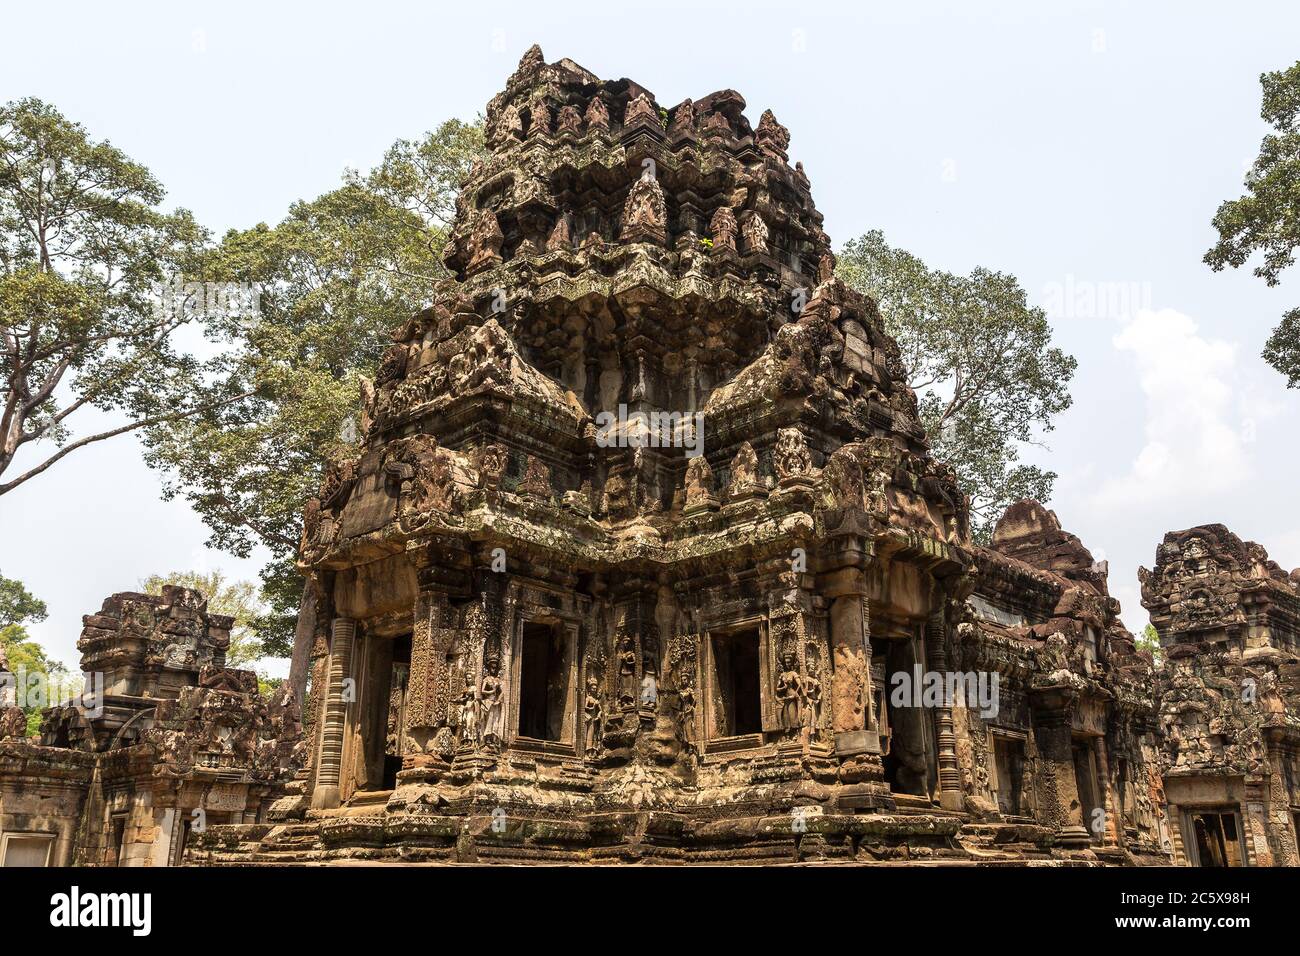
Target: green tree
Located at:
point(84, 251)
point(337, 275)
point(980, 358)
point(18, 605)
point(1267, 219)
point(26, 657)
point(237, 599)
point(22, 655)
point(1149, 640)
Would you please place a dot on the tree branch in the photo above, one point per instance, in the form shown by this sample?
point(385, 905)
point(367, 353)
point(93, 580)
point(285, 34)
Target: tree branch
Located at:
point(113, 432)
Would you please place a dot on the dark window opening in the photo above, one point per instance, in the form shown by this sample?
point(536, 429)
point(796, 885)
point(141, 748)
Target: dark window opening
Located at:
point(735, 658)
point(118, 838)
point(543, 683)
point(394, 725)
point(1085, 781)
point(1218, 840)
point(182, 841)
point(1009, 763)
point(1126, 807)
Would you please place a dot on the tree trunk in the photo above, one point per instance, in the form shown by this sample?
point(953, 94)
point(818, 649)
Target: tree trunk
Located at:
point(304, 635)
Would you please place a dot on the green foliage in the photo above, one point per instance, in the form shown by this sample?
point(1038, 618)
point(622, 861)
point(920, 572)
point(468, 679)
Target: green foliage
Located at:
point(18, 652)
point(1149, 640)
point(18, 605)
point(981, 361)
point(337, 276)
point(83, 249)
point(269, 686)
point(26, 657)
point(1267, 219)
point(237, 599)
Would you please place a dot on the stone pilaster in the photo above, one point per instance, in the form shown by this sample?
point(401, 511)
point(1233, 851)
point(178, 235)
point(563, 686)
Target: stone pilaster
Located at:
point(950, 793)
point(330, 761)
point(1114, 827)
point(851, 660)
point(1059, 802)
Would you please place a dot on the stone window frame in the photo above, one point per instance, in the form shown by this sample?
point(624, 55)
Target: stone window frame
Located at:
point(571, 626)
point(48, 837)
point(712, 744)
point(1187, 830)
point(996, 732)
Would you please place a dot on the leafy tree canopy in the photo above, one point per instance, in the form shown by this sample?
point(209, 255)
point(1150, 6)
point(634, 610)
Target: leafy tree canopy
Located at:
point(1267, 219)
point(19, 652)
point(18, 605)
point(336, 277)
point(84, 251)
point(1149, 640)
point(987, 378)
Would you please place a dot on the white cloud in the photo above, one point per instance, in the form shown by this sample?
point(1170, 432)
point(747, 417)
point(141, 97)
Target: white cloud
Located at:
point(1200, 417)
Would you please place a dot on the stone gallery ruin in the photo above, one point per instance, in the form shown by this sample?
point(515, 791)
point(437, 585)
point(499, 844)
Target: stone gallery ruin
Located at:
point(642, 557)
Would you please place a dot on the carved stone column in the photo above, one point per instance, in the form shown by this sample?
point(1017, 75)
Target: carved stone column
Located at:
point(851, 678)
point(950, 793)
point(326, 793)
point(1059, 803)
point(1254, 822)
point(426, 701)
point(1114, 827)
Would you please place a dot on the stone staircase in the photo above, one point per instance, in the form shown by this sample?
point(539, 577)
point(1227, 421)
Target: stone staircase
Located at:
point(281, 844)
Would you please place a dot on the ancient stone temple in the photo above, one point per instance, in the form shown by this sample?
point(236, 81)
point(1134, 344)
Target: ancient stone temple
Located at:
point(1229, 626)
point(1077, 705)
point(164, 742)
point(643, 557)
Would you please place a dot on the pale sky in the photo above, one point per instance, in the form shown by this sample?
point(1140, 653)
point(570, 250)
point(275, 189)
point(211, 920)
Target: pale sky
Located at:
point(1083, 147)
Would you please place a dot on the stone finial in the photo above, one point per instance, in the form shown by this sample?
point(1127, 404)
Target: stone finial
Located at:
point(570, 121)
point(531, 60)
point(825, 268)
point(717, 125)
point(755, 234)
point(491, 465)
point(744, 473)
point(791, 457)
point(537, 479)
point(771, 137)
point(723, 228)
point(509, 125)
point(597, 114)
point(540, 113)
point(699, 485)
point(683, 122)
point(641, 112)
point(561, 236)
point(645, 214)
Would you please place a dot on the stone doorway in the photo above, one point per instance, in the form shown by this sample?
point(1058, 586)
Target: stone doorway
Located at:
point(382, 703)
point(544, 689)
point(737, 699)
point(1009, 769)
point(907, 746)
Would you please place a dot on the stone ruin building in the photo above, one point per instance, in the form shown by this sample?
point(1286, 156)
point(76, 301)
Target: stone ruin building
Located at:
point(642, 557)
point(172, 742)
point(642, 528)
point(1229, 693)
